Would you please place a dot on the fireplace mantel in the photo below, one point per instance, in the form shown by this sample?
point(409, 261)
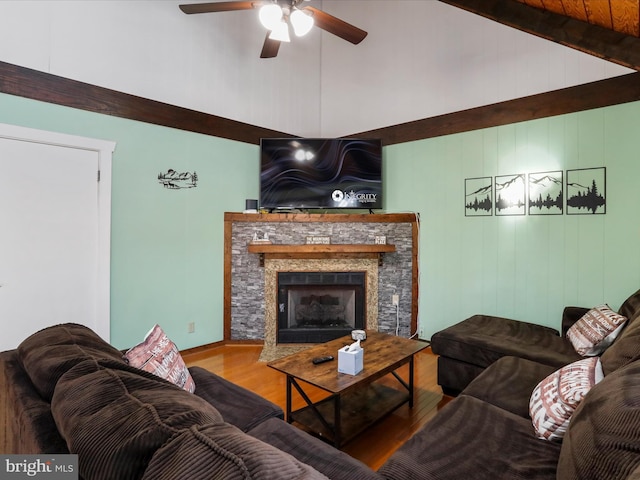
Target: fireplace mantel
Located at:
point(349, 250)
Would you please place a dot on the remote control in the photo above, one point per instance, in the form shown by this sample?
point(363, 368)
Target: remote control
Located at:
point(318, 360)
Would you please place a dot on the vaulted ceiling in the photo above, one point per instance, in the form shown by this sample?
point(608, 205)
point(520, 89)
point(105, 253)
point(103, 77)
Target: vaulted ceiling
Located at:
point(607, 29)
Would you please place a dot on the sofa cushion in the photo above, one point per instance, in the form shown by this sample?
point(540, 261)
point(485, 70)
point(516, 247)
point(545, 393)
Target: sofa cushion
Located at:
point(630, 308)
point(556, 397)
point(115, 417)
point(312, 451)
point(222, 451)
point(472, 439)
point(508, 383)
point(157, 354)
point(625, 349)
point(237, 405)
point(48, 354)
point(483, 339)
point(603, 439)
point(596, 330)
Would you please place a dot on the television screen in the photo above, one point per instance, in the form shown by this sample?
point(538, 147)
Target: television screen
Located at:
point(301, 173)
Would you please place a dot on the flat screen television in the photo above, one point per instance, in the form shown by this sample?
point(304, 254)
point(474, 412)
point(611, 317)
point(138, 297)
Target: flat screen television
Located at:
point(306, 173)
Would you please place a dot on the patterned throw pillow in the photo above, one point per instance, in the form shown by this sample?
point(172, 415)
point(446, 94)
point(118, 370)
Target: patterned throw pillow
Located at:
point(555, 398)
point(160, 356)
point(595, 331)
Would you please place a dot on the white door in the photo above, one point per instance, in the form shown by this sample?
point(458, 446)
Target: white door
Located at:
point(54, 250)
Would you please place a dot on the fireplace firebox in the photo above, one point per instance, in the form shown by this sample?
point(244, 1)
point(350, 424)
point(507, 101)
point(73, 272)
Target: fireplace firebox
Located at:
point(315, 307)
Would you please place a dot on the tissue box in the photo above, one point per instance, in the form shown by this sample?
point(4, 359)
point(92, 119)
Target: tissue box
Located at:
point(350, 363)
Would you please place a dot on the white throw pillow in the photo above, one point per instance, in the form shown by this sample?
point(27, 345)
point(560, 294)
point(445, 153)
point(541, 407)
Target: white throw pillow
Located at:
point(555, 398)
point(596, 330)
point(157, 354)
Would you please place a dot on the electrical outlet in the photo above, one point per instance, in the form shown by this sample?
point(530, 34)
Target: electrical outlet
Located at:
point(395, 299)
point(191, 327)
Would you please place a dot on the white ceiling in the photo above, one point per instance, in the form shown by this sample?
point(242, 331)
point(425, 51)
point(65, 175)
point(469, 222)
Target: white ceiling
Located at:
point(421, 58)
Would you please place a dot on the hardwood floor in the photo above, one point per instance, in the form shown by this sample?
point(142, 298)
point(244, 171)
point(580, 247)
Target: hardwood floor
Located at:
point(240, 364)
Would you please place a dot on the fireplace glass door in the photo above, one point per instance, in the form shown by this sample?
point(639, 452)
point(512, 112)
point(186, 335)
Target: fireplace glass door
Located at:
point(315, 307)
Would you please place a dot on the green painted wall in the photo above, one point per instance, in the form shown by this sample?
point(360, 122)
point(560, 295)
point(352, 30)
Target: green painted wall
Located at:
point(167, 245)
point(525, 267)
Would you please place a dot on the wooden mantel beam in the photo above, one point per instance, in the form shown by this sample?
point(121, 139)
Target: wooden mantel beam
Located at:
point(339, 250)
point(592, 39)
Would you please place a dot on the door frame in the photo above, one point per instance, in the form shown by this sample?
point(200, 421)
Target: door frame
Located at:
point(104, 149)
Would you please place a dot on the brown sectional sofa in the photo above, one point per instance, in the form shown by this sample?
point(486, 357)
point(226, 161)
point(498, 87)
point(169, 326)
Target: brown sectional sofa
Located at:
point(465, 349)
point(64, 389)
point(486, 432)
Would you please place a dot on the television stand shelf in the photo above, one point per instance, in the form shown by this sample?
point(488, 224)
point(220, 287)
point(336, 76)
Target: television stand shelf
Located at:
point(346, 250)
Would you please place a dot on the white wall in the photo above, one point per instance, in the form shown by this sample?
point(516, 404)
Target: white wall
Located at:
point(421, 58)
point(207, 62)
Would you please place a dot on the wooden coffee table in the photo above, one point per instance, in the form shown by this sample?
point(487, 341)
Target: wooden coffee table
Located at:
point(355, 401)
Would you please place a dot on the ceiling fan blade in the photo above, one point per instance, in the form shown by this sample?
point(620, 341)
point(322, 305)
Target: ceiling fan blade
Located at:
point(270, 47)
point(218, 6)
point(338, 27)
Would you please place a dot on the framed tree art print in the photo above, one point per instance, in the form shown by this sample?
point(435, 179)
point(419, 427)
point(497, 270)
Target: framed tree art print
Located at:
point(478, 197)
point(510, 194)
point(546, 196)
point(587, 191)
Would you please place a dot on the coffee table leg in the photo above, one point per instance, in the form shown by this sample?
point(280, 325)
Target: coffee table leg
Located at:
point(289, 379)
point(411, 382)
point(337, 437)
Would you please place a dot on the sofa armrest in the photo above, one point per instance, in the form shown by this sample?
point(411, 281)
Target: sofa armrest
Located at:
point(26, 423)
point(571, 315)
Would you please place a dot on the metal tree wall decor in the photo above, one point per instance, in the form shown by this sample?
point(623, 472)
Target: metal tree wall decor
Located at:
point(510, 194)
point(545, 193)
point(176, 180)
point(478, 197)
point(542, 193)
point(587, 191)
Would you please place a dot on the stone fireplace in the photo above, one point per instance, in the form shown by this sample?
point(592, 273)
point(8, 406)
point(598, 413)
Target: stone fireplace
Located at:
point(252, 300)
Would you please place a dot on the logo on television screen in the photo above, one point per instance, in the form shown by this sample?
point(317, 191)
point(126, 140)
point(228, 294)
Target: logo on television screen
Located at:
point(353, 198)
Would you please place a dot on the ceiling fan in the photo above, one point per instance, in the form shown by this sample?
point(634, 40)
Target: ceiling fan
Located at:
point(278, 16)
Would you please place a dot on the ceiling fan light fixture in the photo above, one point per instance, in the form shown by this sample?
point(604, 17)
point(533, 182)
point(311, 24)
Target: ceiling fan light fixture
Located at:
point(270, 16)
point(301, 22)
point(277, 16)
point(280, 32)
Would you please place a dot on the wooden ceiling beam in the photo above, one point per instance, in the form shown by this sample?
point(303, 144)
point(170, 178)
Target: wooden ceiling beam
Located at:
point(602, 93)
point(45, 87)
point(592, 39)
